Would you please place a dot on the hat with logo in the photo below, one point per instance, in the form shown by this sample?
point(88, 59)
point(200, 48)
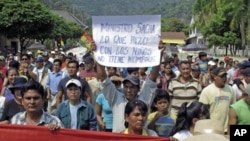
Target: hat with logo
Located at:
point(75, 82)
point(133, 79)
point(195, 67)
point(219, 71)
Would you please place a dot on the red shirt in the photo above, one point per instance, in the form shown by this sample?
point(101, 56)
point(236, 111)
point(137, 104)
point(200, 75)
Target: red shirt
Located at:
point(87, 75)
point(3, 71)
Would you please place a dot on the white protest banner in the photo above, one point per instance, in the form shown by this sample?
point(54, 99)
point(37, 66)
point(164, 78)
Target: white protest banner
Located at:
point(127, 41)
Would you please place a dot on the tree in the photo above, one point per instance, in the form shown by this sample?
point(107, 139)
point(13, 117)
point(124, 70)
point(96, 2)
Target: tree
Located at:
point(25, 20)
point(172, 25)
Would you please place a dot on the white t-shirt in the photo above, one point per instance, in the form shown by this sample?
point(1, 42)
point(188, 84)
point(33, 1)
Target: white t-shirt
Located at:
point(2, 102)
point(238, 92)
point(39, 73)
point(183, 134)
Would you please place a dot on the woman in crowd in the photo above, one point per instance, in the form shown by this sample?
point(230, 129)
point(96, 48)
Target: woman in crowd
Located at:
point(10, 75)
point(188, 114)
point(104, 113)
point(135, 118)
point(166, 76)
point(76, 113)
point(15, 105)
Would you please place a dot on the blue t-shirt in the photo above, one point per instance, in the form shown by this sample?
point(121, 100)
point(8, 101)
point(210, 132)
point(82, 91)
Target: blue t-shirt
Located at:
point(203, 65)
point(8, 94)
point(164, 125)
point(106, 110)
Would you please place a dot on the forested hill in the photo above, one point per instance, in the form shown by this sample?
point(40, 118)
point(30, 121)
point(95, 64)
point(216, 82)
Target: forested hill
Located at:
point(167, 8)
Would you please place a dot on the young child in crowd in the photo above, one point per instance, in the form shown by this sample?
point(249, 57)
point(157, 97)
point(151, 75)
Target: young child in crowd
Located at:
point(161, 121)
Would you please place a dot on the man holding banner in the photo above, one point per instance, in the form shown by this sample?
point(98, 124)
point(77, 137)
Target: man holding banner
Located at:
point(127, 41)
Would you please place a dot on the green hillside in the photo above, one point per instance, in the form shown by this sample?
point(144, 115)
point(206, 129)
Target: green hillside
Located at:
point(84, 9)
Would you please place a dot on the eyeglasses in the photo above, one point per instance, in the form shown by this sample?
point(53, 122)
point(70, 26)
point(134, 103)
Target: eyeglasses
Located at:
point(24, 58)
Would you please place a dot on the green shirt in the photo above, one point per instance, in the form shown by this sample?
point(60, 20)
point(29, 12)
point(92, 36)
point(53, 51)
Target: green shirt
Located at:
point(242, 110)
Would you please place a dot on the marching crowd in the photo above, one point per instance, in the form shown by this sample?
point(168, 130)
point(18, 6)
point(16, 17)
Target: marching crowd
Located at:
point(178, 99)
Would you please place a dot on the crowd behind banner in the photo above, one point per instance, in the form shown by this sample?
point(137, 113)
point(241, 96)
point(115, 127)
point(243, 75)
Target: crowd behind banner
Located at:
point(65, 94)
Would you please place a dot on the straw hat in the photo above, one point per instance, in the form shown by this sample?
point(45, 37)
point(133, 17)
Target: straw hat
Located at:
point(208, 130)
point(208, 126)
point(207, 137)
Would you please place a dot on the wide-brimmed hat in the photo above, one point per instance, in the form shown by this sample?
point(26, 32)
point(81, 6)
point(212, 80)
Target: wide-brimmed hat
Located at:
point(207, 137)
point(208, 130)
point(18, 83)
point(208, 126)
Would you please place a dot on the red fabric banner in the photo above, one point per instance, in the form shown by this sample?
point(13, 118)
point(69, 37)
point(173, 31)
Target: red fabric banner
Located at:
point(38, 133)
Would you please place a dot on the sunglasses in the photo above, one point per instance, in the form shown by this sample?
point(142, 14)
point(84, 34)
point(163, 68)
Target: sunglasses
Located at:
point(24, 58)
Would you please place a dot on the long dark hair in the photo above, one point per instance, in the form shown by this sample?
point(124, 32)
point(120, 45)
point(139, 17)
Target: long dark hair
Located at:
point(131, 105)
point(187, 112)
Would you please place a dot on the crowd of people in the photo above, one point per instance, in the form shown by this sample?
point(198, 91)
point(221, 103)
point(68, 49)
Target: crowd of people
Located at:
point(58, 90)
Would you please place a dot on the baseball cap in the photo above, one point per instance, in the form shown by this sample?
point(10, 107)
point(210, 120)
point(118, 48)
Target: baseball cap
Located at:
point(53, 52)
point(219, 71)
point(195, 67)
point(18, 83)
point(75, 82)
point(211, 63)
point(2, 57)
point(39, 59)
point(88, 60)
point(189, 55)
point(63, 53)
point(244, 64)
point(133, 79)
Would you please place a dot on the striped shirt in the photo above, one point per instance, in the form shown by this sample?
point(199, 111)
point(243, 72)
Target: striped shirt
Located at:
point(45, 120)
point(183, 92)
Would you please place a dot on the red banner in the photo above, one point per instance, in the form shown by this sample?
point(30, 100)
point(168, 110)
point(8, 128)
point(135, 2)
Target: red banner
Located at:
point(38, 133)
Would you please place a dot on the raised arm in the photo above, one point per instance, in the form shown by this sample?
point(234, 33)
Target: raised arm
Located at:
point(155, 72)
point(101, 73)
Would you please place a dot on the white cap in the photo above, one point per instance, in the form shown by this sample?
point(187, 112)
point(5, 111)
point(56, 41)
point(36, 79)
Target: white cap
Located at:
point(29, 52)
point(63, 53)
point(212, 63)
point(74, 81)
point(53, 52)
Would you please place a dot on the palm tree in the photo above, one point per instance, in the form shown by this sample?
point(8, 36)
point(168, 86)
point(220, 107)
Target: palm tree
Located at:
point(240, 19)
